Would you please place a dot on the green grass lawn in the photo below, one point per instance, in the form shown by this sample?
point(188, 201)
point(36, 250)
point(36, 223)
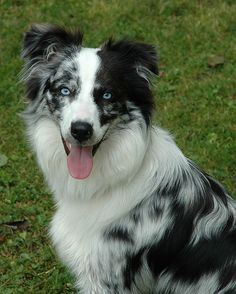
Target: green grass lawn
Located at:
point(196, 102)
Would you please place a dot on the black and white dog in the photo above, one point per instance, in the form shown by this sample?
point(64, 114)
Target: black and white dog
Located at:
point(133, 214)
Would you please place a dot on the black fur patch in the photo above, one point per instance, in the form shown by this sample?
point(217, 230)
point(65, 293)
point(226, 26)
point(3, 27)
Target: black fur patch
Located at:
point(133, 266)
point(119, 234)
point(120, 63)
point(161, 255)
point(204, 257)
point(227, 274)
point(230, 291)
point(109, 109)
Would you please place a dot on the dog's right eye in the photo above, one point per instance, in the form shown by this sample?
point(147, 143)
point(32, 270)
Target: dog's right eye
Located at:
point(65, 91)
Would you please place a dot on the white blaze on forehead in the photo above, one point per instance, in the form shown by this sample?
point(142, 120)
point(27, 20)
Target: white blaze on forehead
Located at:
point(83, 107)
point(88, 62)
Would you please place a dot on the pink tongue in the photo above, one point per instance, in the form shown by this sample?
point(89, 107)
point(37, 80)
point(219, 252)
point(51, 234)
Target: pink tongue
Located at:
point(80, 162)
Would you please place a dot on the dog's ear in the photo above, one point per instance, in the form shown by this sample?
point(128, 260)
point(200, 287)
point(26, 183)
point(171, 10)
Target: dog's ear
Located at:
point(45, 40)
point(143, 56)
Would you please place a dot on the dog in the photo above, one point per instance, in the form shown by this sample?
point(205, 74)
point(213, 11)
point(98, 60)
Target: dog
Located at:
point(133, 214)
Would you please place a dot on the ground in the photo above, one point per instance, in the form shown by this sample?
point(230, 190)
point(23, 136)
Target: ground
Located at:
point(195, 98)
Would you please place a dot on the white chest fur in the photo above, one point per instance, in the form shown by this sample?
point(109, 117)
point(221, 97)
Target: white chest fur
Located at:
point(127, 169)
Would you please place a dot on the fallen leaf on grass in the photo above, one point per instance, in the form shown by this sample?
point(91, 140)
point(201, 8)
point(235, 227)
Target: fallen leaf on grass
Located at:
point(162, 74)
point(215, 61)
point(3, 160)
point(18, 225)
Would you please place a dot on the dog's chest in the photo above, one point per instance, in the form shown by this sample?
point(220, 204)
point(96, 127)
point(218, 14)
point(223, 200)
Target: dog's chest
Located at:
point(77, 235)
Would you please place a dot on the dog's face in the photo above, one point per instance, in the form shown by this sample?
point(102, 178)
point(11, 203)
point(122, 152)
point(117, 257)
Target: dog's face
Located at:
point(87, 92)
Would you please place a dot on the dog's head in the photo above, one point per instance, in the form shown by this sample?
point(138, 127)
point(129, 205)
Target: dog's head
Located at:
point(88, 92)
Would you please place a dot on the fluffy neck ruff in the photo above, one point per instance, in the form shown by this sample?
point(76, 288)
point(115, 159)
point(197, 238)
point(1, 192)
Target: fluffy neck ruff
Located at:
point(132, 159)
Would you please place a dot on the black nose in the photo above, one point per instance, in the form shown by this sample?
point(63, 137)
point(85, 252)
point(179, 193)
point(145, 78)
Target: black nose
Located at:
point(81, 131)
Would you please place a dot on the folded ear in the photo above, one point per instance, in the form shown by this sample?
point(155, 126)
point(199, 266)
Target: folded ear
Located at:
point(44, 40)
point(143, 56)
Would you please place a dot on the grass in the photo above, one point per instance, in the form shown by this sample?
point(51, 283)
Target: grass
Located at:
point(197, 104)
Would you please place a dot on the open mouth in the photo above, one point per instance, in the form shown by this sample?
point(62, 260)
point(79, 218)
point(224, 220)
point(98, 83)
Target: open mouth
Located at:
point(80, 159)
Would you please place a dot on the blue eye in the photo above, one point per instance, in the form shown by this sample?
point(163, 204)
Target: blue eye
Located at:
point(65, 91)
point(107, 95)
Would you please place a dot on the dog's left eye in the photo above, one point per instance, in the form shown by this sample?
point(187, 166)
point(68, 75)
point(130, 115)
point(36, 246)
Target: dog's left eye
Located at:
point(107, 95)
point(65, 91)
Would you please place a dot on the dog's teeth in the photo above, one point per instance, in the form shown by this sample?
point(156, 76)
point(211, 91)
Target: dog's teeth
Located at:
point(68, 145)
